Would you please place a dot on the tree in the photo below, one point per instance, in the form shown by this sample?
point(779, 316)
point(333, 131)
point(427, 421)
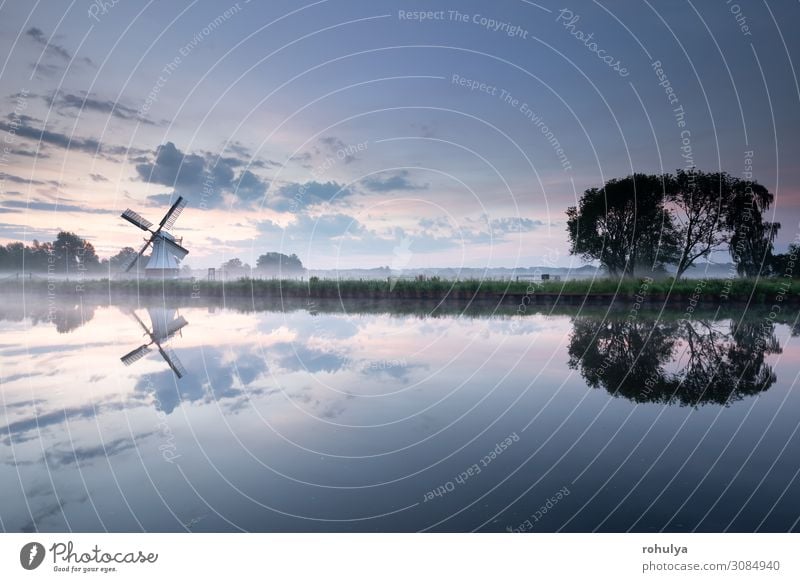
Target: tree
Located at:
point(624, 225)
point(122, 259)
point(751, 237)
point(232, 265)
point(697, 201)
point(279, 263)
point(73, 254)
point(786, 264)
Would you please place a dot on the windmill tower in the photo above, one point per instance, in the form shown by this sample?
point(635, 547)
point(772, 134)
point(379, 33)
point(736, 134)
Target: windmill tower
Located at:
point(167, 251)
point(165, 323)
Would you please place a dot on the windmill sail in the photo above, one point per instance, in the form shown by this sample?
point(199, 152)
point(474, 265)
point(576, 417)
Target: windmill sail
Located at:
point(138, 256)
point(173, 361)
point(135, 355)
point(173, 213)
point(137, 219)
point(176, 249)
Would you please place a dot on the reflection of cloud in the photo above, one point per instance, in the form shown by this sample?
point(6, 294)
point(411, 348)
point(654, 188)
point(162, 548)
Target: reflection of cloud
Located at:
point(297, 357)
point(81, 455)
point(18, 431)
point(210, 378)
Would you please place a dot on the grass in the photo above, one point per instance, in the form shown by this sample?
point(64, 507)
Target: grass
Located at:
point(626, 290)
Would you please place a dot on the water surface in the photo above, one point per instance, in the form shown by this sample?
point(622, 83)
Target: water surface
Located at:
point(227, 419)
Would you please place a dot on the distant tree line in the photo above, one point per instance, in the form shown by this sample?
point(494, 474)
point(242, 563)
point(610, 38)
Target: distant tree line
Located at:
point(271, 263)
point(67, 255)
point(70, 254)
point(646, 222)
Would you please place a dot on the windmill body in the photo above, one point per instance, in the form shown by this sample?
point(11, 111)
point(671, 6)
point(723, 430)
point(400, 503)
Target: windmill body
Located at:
point(163, 262)
point(167, 252)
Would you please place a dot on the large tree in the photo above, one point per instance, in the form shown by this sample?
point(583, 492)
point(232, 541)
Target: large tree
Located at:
point(698, 202)
point(624, 225)
point(73, 254)
point(279, 263)
point(751, 237)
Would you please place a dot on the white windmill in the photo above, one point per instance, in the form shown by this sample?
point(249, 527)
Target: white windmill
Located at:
point(167, 252)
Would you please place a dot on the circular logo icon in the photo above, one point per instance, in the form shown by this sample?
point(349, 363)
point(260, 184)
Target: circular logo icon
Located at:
point(32, 555)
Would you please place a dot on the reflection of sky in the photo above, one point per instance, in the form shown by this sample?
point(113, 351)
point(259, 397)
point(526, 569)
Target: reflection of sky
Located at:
point(333, 417)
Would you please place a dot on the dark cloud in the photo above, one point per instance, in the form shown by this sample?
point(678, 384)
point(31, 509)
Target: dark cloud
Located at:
point(396, 181)
point(250, 187)
point(294, 196)
point(192, 174)
point(171, 167)
point(39, 37)
point(52, 49)
point(29, 154)
point(20, 180)
point(98, 178)
point(25, 127)
point(65, 101)
point(53, 207)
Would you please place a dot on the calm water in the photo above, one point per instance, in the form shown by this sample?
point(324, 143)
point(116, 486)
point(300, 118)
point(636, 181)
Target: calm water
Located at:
point(309, 420)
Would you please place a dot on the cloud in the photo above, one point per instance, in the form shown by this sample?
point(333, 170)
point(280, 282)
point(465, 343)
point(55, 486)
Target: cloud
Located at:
point(338, 148)
point(291, 197)
point(514, 224)
point(53, 207)
point(19, 180)
point(171, 167)
point(98, 178)
point(396, 181)
point(23, 126)
point(189, 174)
point(326, 226)
point(39, 37)
point(50, 48)
point(107, 106)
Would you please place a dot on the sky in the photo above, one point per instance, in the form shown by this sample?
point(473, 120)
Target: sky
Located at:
point(367, 134)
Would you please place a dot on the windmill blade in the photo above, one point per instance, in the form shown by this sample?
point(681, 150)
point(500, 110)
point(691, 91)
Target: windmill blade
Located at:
point(136, 219)
point(173, 361)
point(142, 325)
point(138, 255)
point(175, 248)
point(135, 355)
point(175, 326)
point(172, 214)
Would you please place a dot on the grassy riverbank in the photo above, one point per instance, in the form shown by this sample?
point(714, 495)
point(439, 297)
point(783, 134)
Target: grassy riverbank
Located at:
point(716, 291)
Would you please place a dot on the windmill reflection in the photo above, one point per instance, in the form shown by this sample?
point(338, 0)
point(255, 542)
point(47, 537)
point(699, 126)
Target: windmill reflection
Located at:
point(165, 323)
point(674, 362)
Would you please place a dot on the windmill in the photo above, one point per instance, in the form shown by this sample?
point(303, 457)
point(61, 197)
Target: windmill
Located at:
point(165, 324)
point(167, 253)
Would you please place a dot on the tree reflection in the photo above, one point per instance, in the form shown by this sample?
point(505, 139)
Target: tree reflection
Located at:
point(686, 362)
point(66, 315)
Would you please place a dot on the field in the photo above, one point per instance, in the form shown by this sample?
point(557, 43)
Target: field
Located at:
point(707, 291)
